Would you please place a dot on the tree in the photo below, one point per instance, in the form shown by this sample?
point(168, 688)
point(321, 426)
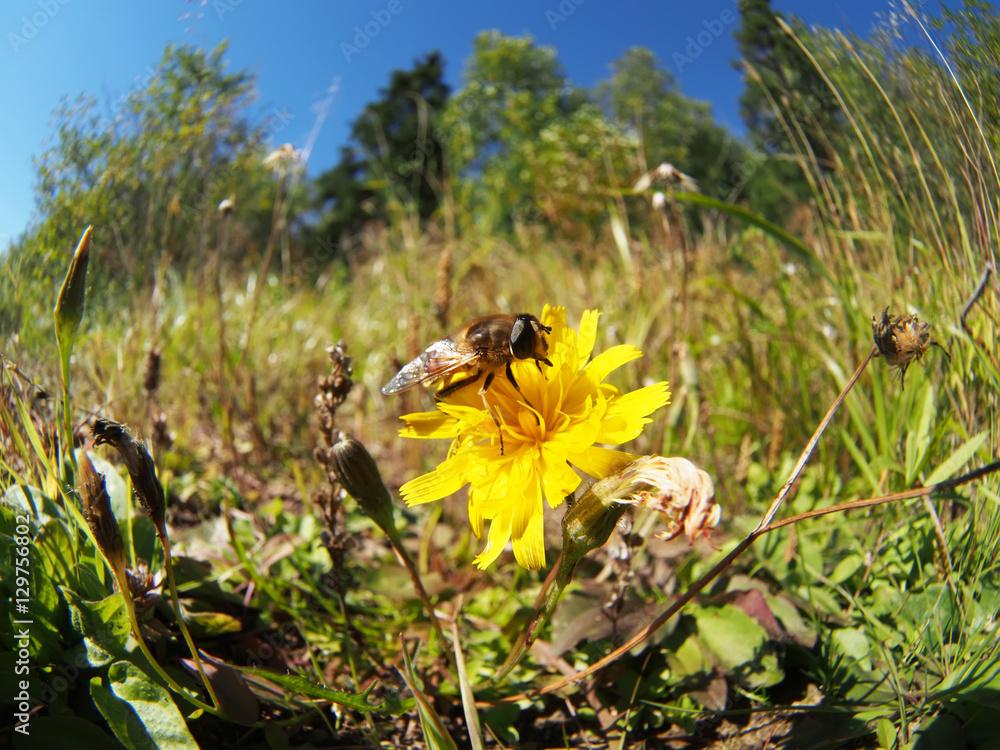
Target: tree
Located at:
point(512, 92)
point(782, 88)
point(146, 170)
point(395, 154)
point(644, 98)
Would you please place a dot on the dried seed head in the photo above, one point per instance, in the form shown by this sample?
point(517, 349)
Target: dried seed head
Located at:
point(902, 340)
point(140, 467)
point(334, 388)
point(100, 517)
point(282, 158)
point(141, 585)
point(163, 436)
point(151, 371)
point(681, 492)
point(226, 206)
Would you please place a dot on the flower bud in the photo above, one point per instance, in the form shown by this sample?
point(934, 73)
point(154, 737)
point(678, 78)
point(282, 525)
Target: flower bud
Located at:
point(357, 473)
point(69, 305)
point(140, 467)
point(100, 517)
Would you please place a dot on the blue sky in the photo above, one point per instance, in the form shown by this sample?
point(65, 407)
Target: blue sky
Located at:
point(56, 48)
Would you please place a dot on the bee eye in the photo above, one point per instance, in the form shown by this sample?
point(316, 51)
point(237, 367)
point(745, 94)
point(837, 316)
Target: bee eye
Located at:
point(522, 337)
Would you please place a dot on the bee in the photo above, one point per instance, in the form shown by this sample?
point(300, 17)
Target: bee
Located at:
point(484, 346)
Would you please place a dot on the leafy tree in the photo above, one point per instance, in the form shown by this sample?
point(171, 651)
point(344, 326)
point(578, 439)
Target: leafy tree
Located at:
point(782, 88)
point(147, 170)
point(395, 154)
point(643, 97)
point(513, 91)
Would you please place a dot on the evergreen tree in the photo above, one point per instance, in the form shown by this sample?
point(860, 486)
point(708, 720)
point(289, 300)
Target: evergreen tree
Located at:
point(395, 154)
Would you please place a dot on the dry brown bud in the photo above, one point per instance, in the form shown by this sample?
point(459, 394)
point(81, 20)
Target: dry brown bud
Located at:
point(902, 340)
point(140, 467)
point(100, 517)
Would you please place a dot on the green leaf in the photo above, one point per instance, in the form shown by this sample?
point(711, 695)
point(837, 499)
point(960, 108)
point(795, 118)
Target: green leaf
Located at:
point(160, 720)
point(302, 686)
point(738, 643)
point(918, 441)
point(846, 568)
point(885, 731)
point(103, 624)
point(69, 305)
point(53, 731)
point(435, 733)
point(853, 643)
point(957, 459)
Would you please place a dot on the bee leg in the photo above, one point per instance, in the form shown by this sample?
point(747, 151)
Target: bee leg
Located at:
point(482, 392)
point(448, 390)
point(510, 377)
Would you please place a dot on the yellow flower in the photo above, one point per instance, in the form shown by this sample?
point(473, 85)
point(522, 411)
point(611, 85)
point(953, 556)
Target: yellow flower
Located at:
point(558, 418)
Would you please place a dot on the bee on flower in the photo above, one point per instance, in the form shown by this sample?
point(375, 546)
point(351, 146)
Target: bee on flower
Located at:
point(550, 418)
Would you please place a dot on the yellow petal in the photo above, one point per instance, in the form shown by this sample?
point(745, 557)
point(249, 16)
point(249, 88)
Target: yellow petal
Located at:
point(558, 478)
point(495, 543)
point(587, 336)
point(627, 414)
point(600, 462)
point(605, 362)
point(429, 424)
point(527, 502)
point(447, 478)
point(529, 548)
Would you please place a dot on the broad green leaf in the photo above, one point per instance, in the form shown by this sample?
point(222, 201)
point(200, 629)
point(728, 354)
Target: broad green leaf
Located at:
point(161, 719)
point(122, 719)
point(957, 459)
point(846, 568)
point(853, 643)
point(885, 731)
point(732, 635)
point(104, 626)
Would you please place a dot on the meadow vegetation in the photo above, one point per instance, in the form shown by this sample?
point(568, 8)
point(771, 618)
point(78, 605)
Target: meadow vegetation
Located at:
point(750, 275)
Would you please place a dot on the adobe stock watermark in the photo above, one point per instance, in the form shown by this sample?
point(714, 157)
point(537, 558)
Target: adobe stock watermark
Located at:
point(562, 12)
point(698, 43)
point(30, 26)
point(363, 35)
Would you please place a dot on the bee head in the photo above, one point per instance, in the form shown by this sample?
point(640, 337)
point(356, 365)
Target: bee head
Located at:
point(526, 339)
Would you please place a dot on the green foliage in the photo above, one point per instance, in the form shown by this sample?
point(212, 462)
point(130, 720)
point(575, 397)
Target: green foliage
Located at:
point(643, 98)
point(885, 617)
point(395, 159)
point(513, 92)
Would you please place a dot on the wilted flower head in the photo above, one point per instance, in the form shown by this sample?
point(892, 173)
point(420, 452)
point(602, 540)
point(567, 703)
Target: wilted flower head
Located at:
point(558, 420)
point(668, 174)
point(282, 158)
point(677, 489)
point(902, 340)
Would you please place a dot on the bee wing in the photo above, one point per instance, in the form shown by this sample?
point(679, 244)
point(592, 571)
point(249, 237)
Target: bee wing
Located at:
point(437, 360)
